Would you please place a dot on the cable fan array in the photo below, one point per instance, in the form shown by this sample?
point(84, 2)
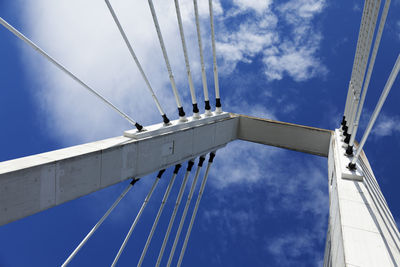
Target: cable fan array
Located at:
point(359, 82)
point(166, 122)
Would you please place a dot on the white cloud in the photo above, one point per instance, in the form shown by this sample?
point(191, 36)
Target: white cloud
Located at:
point(296, 11)
point(284, 36)
point(258, 6)
point(250, 155)
point(288, 248)
point(386, 126)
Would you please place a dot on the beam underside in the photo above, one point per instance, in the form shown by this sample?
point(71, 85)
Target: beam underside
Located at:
point(31, 184)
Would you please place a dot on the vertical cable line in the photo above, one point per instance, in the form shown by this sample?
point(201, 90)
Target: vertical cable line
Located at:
point(160, 210)
point(68, 260)
point(146, 200)
point(381, 101)
point(356, 63)
point(364, 35)
point(360, 54)
point(196, 176)
point(181, 112)
point(185, 53)
point(372, 19)
point(177, 203)
point(369, 32)
point(61, 67)
point(196, 207)
point(385, 11)
point(203, 69)
point(355, 66)
point(121, 30)
point(218, 106)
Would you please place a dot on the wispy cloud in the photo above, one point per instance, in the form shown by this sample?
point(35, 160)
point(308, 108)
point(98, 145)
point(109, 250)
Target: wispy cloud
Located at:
point(283, 34)
point(287, 249)
point(299, 191)
point(386, 125)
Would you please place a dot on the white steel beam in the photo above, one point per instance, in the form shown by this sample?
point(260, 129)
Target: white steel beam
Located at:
point(31, 184)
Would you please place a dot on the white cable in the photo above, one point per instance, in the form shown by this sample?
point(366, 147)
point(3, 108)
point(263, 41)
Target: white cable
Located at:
point(146, 200)
point(372, 19)
point(381, 101)
point(185, 53)
point(218, 108)
point(196, 176)
point(177, 203)
point(196, 207)
point(203, 69)
point(68, 260)
point(182, 117)
point(121, 30)
point(370, 68)
point(61, 67)
point(356, 60)
point(160, 210)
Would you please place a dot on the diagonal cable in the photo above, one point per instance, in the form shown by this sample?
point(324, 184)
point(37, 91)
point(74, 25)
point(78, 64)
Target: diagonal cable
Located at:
point(185, 53)
point(121, 30)
point(146, 200)
point(381, 101)
point(67, 261)
point(203, 69)
point(182, 117)
point(196, 207)
point(218, 106)
point(61, 67)
point(355, 63)
point(177, 203)
point(372, 19)
point(160, 210)
point(199, 166)
point(369, 73)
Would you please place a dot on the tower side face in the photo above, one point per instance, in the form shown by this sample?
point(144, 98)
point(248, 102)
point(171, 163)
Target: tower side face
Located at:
point(361, 231)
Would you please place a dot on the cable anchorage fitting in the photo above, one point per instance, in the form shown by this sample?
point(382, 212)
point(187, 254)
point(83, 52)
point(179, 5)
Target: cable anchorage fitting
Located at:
point(181, 112)
point(201, 160)
point(190, 165)
point(349, 150)
point(212, 156)
point(160, 173)
point(347, 139)
point(343, 121)
point(177, 167)
point(351, 166)
point(218, 106)
point(134, 180)
point(138, 127)
point(195, 108)
point(165, 119)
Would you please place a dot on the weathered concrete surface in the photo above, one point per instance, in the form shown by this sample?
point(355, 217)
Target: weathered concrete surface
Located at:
point(31, 184)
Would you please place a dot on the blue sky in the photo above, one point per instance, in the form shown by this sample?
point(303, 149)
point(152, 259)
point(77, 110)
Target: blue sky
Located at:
point(263, 206)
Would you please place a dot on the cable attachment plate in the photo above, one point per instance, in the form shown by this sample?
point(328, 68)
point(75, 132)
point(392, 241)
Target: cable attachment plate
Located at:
point(344, 159)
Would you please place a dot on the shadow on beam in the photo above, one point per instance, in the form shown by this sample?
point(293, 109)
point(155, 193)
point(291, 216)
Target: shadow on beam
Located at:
point(285, 135)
